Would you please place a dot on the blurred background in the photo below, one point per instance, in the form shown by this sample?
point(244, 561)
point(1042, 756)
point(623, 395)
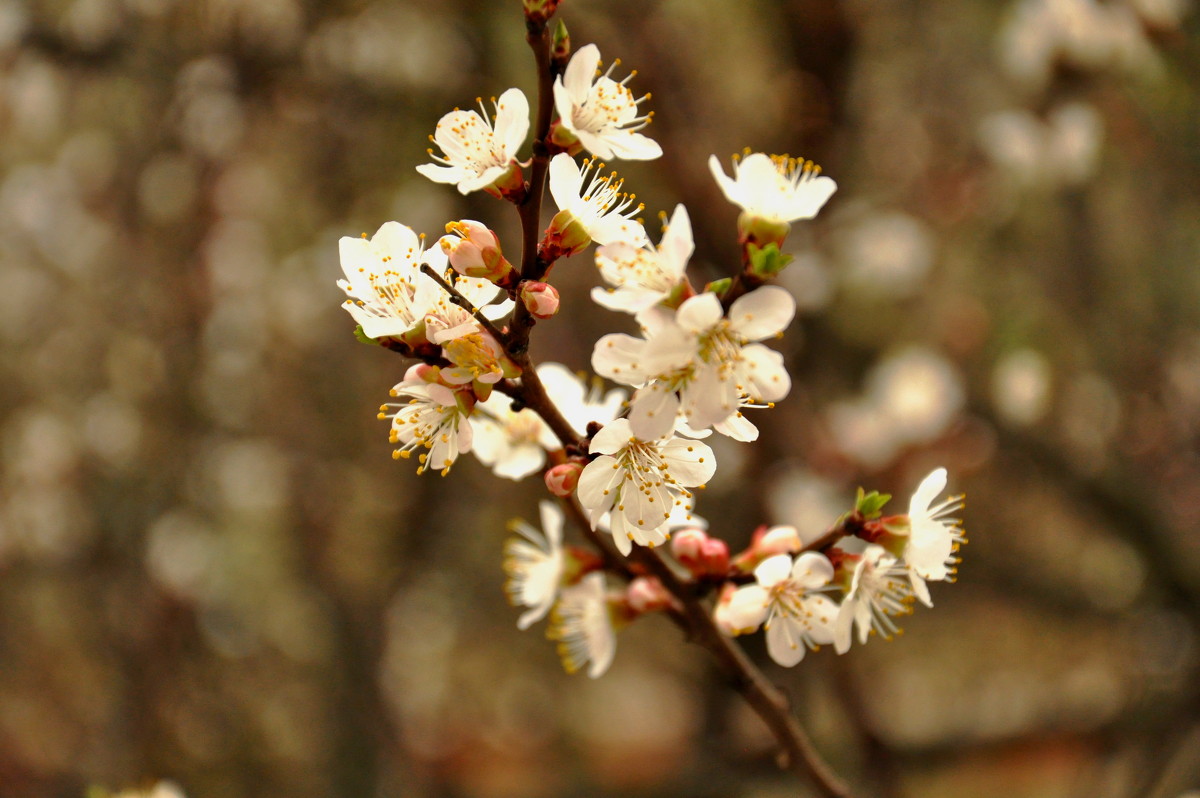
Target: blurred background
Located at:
point(212, 571)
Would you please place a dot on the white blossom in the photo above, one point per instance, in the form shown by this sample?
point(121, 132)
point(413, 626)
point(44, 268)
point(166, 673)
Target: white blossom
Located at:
point(775, 188)
point(389, 294)
point(640, 481)
point(934, 536)
point(534, 564)
point(702, 363)
point(580, 403)
point(879, 591)
point(434, 417)
point(601, 112)
point(512, 443)
point(784, 599)
point(595, 201)
point(477, 152)
point(582, 623)
point(641, 277)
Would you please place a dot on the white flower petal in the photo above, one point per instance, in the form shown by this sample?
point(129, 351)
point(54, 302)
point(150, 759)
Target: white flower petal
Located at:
point(699, 313)
point(784, 642)
point(762, 313)
point(773, 570)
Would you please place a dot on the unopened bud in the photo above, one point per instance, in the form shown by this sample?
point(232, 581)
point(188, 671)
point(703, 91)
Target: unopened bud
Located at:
point(687, 546)
point(647, 594)
point(779, 540)
point(767, 542)
point(540, 299)
point(474, 251)
point(715, 555)
point(561, 139)
point(560, 49)
point(562, 478)
point(540, 10)
point(761, 232)
point(565, 236)
point(892, 532)
point(699, 553)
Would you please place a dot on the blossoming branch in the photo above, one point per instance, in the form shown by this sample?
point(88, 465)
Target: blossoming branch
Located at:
point(627, 463)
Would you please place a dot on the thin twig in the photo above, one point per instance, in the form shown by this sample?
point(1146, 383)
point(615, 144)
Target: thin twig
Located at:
point(763, 697)
point(464, 303)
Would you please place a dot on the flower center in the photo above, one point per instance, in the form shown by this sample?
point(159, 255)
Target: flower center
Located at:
point(471, 352)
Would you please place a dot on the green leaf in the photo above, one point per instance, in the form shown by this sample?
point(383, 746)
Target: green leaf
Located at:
point(362, 336)
point(871, 505)
point(719, 287)
point(767, 261)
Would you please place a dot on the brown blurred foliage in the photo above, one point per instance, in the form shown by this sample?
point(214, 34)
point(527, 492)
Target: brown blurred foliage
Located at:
point(211, 570)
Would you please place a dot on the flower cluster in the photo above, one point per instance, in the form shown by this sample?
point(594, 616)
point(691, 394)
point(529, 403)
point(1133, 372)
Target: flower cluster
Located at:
point(627, 460)
point(868, 575)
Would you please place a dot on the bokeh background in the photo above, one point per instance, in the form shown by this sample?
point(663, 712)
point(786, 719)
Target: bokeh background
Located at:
point(212, 571)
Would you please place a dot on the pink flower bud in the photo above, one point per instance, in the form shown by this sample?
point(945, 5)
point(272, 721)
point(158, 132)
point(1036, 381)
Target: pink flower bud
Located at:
point(715, 554)
point(474, 251)
point(562, 478)
point(646, 594)
point(541, 299)
point(779, 540)
point(688, 547)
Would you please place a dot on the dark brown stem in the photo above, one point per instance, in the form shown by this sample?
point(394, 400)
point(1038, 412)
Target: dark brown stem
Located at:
point(530, 209)
point(464, 303)
point(532, 394)
point(763, 697)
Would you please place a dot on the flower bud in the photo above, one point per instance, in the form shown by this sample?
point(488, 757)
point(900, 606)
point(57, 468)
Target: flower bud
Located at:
point(758, 230)
point(715, 555)
point(699, 553)
point(474, 251)
point(779, 540)
point(565, 236)
point(541, 299)
point(647, 594)
point(767, 542)
point(540, 10)
point(561, 139)
point(560, 49)
point(687, 545)
point(562, 478)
